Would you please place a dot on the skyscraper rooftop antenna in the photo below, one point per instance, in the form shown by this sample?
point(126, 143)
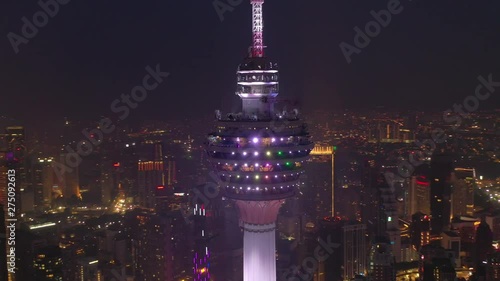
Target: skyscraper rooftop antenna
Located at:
point(257, 28)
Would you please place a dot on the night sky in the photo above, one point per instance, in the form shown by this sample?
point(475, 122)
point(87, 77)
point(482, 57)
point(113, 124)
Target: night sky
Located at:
point(90, 52)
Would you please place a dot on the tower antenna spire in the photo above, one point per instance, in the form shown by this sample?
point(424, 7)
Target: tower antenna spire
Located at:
point(257, 28)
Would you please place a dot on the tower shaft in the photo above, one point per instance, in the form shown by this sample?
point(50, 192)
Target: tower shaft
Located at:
point(259, 238)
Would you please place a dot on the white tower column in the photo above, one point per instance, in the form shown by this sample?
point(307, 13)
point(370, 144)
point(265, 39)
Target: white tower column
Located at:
point(259, 252)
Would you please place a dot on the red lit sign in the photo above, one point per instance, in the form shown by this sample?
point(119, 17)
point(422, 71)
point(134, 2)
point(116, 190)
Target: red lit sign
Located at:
point(422, 183)
point(117, 164)
point(160, 187)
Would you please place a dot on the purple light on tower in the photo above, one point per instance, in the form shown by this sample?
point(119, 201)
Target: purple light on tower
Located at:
point(201, 264)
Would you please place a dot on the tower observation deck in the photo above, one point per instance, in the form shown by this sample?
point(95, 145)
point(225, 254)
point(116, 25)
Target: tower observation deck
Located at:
point(258, 154)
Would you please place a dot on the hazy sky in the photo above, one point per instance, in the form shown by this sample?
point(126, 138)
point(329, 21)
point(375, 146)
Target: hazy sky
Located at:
point(429, 55)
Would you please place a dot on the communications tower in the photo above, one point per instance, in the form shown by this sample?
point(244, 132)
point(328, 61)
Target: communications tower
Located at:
point(258, 155)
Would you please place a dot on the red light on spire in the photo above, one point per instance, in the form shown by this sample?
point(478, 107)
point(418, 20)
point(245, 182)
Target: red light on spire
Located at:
point(117, 164)
point(257, 28)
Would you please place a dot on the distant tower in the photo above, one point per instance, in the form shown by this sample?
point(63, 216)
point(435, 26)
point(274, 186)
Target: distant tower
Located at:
point(462, 197)
point(258, 155)
point(69, 181)
point(355, 251)
point(389, 206)
point(153, 245)
point(201, 256)
point(44, 181)
point(151, 176)
point(441, 169)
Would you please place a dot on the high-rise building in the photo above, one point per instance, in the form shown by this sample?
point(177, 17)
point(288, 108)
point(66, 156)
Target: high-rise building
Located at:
point(44, 182)
point(493, 267)
point(419, 195)
point(440, 177)
point(201, 256)
point(151, 176)
point(48, 264)
point(319, 194)
point(369, 199)
point(483, 245)
point(88, 269)
point(382, 262)
point(4, 149)
point(16, 159)
point(330, 229)
point(420, 230)
point(451, 242)
point(258, 155)
point(355, 251)
point(494, 223)
point(107, 178)
point(171, 175)
point(152, 246)
point(393, 231)
point(435, 263)
point(462, 197)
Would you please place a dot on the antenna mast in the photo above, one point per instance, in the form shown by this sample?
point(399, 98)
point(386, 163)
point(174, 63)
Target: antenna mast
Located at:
point(257, 28)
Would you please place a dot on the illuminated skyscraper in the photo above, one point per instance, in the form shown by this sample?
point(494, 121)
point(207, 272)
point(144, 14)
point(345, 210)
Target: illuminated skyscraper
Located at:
point(201, 257)
point(16, 159)
point(419, 195)
point(3, 169)
point(355, 250)
point(441, 169)
point(483, 245)
point(69, 181)
point(152, 245)
point(48, 264)
point(419, 230)
point(462, 197)
point(88, 269)
point(151, 177)
point(258, 155)
point(44, 181)
point(493, 267)
point(320, 192)
point(382, 262)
